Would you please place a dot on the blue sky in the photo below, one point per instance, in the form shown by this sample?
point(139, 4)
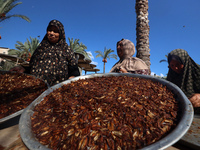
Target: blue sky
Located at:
point(101, 23)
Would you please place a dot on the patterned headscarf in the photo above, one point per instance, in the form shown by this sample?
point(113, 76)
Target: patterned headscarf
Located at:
point(189, 80)
point(50, 62)
point(128, 62)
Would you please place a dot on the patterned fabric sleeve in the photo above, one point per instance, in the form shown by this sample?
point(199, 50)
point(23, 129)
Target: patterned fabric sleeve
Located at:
point(72, 64)
point(71, 57)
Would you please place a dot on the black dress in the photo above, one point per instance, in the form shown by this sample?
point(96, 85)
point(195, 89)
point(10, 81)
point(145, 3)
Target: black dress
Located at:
point(54, 63)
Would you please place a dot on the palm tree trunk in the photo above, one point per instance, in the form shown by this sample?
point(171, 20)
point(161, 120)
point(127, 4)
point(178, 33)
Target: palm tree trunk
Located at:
point(142, 31)
point(104, 66)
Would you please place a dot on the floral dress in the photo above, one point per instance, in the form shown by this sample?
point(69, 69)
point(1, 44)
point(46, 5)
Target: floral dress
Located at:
point(54, 63)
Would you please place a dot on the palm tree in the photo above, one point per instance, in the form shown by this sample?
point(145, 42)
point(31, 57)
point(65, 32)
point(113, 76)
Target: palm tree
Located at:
point(79, 48)
point(105, 55)
point(25, 50)
point(142, 31)
point(6, 6)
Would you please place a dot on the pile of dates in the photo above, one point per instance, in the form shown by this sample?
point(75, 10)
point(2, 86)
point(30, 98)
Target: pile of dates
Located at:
point(17, 91)
point(116, 112)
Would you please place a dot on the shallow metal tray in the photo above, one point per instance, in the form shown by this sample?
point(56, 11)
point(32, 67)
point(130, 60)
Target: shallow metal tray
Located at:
point(185, 119)
point(11, 116)
point(2, 120)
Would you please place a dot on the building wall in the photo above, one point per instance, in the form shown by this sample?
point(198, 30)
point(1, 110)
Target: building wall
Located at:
point(3, 50)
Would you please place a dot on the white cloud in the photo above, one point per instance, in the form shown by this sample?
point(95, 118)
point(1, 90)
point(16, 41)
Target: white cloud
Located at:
point(154, 74)
point(95, 63)
point(92, 58)
point(90, 54)
point(162, 75)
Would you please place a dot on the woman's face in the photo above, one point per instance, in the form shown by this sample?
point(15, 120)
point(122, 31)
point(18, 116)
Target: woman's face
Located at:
point(53, 34)
point(120, 52)
point(176, 66)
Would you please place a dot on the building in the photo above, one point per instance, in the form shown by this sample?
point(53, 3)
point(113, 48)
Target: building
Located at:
point(3, 50)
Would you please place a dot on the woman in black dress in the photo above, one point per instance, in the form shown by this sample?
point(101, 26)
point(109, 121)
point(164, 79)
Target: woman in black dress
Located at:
point(53, 61)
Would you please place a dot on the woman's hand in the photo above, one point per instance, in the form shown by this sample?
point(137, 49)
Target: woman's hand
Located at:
point(195, 100)
point(71, 77)
point(122, 70)
point(18, 69)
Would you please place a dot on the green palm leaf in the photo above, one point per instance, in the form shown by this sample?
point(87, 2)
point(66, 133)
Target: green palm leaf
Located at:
point(24, 48)
point(79, 48)
point(106, 54)
point(6, 6)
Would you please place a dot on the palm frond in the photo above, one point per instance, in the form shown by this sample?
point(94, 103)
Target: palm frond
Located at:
point(6, 6)
point(106, 54)
point(78, 47)
point(113, 56)
point(10, 5)
point(99, 54)
point(14, 52)
point(20, 16)
point(163, 60)
point(25, 48)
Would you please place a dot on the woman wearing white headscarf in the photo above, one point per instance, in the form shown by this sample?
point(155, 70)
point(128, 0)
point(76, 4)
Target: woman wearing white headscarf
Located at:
point(128, 63)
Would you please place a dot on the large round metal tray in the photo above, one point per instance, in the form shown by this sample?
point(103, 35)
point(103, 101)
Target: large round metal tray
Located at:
point(2, 120)
point(185, 119)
